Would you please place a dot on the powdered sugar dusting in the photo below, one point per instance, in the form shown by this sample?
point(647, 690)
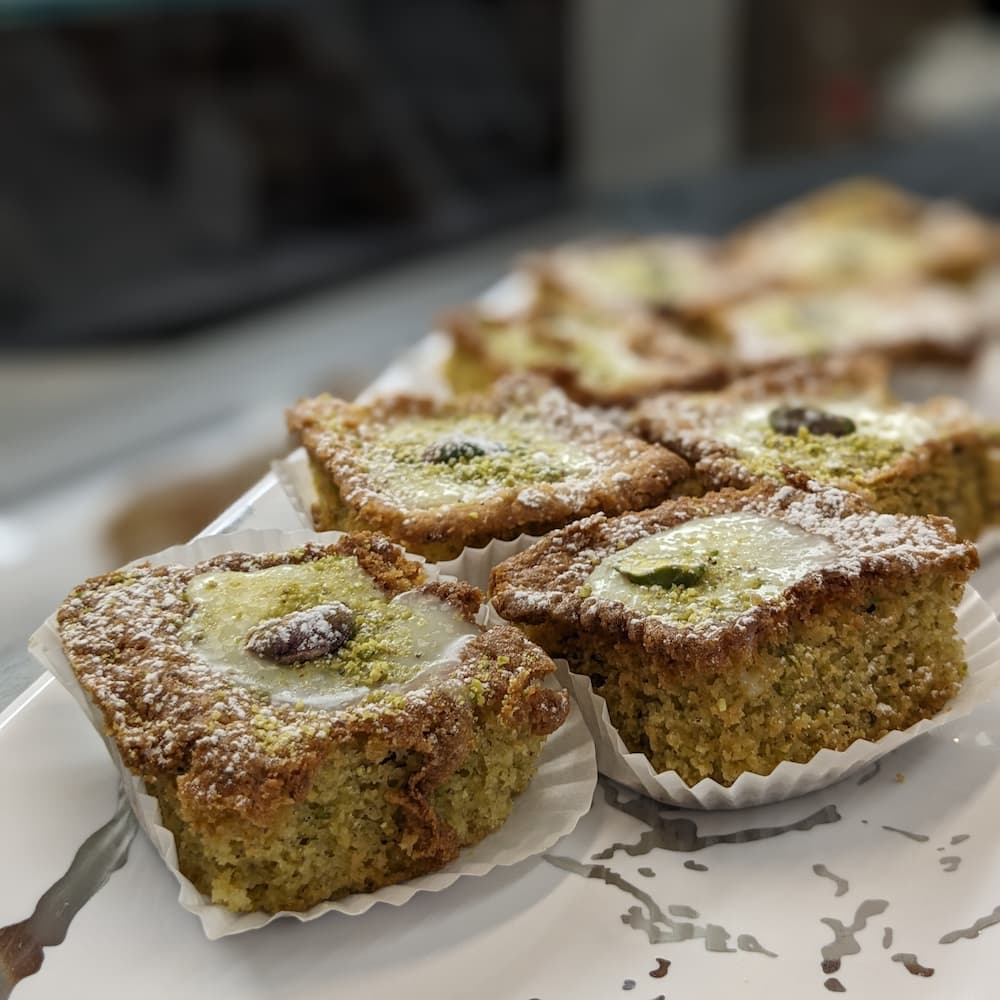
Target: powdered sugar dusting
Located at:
point(728, 439)
point(565, 461)
point(546, 582)
point(170, 712)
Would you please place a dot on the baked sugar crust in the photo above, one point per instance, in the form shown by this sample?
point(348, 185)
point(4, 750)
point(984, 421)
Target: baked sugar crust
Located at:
point(235, 754)
point(543, 585)
point(625, 473)
point(955, 440)
point(598, 357)
point(935, 237)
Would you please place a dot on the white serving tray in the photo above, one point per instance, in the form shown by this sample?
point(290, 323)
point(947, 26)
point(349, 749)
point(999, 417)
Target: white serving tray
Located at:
point(543, 929)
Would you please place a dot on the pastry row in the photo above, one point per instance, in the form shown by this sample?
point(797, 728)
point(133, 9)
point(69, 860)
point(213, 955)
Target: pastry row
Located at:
point(749, 562)
point(857, 268)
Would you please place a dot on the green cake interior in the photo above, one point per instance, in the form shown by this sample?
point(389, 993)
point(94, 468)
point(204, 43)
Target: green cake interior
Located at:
point(349, 834)
point(853, 670)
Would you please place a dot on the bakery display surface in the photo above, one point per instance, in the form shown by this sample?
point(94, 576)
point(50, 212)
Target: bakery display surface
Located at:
point(842, 625)
point(670, 873)
point(440, 477)
point(833, 422)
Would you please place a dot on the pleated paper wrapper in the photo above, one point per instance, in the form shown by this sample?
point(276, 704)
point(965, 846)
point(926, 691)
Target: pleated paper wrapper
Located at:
point(557, 797)
point(978, 627)
point(472, 565)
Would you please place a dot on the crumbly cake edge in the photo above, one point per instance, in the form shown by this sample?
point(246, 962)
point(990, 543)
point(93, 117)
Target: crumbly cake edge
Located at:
point(685, 424)
point(233, 752)
point(541, 585)
point(635, 473)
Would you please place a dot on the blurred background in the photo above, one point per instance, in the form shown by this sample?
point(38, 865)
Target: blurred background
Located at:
point(208, 209)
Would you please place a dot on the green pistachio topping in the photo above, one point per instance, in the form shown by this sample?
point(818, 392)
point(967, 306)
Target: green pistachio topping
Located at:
point(789, 420)
point(430, 462)
point(458, 449)
point(327, 617)
point(660, 573)
point(878, 439)
point(741, 559)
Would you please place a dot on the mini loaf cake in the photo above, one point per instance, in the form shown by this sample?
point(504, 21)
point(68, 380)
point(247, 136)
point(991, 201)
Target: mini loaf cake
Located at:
point(902, 323)
point(438, 477)
point(596, 356)
point(313, 723)
point(674, 275)
point(738, 630)
point(862, 231)
point(932, 458)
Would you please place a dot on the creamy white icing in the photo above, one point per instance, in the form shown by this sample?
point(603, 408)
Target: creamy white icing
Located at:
point(748, 558)
point(520, 454)
point(900, 425)
point(408, 641)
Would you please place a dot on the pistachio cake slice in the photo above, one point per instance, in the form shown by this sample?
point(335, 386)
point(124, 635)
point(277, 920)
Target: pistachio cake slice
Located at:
point(836, 423)
point(313, 723)
point(928, 321)
point(440, 476)
point(734, 631)
point(668, 274)
point(596, 356)
point(862, 231)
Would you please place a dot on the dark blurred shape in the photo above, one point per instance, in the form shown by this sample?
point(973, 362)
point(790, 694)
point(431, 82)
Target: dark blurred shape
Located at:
point(163, 167)
point(814, 70)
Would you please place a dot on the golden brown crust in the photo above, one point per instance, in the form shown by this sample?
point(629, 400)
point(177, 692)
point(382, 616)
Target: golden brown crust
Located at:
point(541, 586)
point(717, 283)
point(953, 242)
point(689, 424)
point(630, 474)
point(664, 356)
point(234, 752)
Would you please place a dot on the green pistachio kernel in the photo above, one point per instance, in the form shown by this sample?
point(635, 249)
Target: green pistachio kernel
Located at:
point(789, 420)
point(444, 451)
point(660, 573)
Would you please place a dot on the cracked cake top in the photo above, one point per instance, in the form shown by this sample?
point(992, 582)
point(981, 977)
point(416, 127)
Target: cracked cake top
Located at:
point(242, 673)
point(694, 579)
point(833, 421)
point(522, 458)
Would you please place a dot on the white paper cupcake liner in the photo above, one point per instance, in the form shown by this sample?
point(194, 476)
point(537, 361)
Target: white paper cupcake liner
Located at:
point(977, 625)
point(472, 565)
point(558, 796)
